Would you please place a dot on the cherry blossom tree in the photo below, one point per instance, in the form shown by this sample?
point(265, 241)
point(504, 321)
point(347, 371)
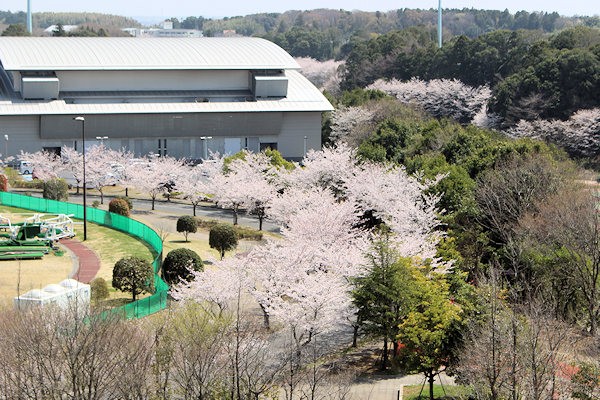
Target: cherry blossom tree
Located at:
point(99, 172)
point(194, 187)
point(151, 175)
point(218, 286)
point(579, 135)
point(323, 74)
point(389, 194)
point(260, 180)
point(439, 97)
point(245, 184)
point(72, 162)
point(346, 121)
point(386, 192)
point(44, 165)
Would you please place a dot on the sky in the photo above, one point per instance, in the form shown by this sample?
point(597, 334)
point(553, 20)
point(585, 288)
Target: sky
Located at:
point(184, 8)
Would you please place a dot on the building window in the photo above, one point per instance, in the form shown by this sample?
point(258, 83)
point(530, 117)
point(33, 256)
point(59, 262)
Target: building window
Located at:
point(52, 150)
point(162, 147)
point(264, 146)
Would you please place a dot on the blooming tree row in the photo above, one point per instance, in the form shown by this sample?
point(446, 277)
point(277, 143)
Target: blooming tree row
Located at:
point(579, 135)
point(440, 97)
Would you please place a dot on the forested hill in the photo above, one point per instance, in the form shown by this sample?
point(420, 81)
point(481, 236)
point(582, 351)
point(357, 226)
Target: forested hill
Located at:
point(41, 20)
point(322, 33)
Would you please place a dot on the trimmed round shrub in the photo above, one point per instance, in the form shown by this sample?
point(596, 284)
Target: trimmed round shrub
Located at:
point(128, 200)
point(187, 224)
point(56, 189)
point(134, 275)
point(178, 265)
point(222, 237)
point(119, 206)
point(3, 183)
point(99, 288)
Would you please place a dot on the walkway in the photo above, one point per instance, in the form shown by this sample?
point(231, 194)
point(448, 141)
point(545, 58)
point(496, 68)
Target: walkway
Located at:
point(89, 263)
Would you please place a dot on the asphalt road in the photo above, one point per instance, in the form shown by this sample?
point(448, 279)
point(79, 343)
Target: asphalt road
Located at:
point(180, 208)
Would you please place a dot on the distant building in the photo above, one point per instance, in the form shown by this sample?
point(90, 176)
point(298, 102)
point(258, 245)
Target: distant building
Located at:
point(181, 97)
point(229, 33)
point(67, 28)
point(165, 31)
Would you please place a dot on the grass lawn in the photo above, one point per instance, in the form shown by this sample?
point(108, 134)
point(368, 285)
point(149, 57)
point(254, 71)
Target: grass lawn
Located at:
point(439, 392)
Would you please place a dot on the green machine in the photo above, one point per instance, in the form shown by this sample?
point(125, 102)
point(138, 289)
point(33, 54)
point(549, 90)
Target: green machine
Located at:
point(33, 237)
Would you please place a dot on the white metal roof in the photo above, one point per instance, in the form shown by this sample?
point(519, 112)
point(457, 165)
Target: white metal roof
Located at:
point(90, 53)
point(302, 96)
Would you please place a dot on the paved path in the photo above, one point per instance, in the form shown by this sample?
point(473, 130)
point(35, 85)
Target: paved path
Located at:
point(387, 387)
point(89, 263)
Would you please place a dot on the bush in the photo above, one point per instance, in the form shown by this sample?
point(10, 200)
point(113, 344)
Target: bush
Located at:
point(134, 275)
point(56, 189)
point(128, 200)
point(242, 232)
point(187, 224)
point(95, 204)
point(35, 184)
point(178, 263)
point(3, 183)
point(12, 175)
point(223, 238)
point(207, 224)
point(119, 206)
point(99, 289)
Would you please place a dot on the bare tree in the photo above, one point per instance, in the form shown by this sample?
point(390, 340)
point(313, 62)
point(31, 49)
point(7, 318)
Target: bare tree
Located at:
point(567, 225)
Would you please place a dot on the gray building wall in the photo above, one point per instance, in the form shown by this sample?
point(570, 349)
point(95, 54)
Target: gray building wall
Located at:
point(295, 126)
point(147, 80)
point(177, 134)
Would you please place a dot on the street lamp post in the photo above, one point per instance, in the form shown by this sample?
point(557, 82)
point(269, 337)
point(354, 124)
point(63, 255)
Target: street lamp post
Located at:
point(205, 140)
point(305, 139)
point(101, 139)
point(82, 120)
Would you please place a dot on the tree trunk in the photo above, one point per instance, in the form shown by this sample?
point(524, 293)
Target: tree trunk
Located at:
point(126, 192)
point(355, 336)
point(385, 354)
point(260, 222)
point(593, 322)
point(431, 379)
point(266, 322)
point(101, 197)
point(194, 204)
point(514, 357)
point(235, 216)
point(153, 198)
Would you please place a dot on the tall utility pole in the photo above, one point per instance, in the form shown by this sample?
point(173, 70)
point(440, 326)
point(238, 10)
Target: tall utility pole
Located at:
point(440, 24)
point(29, 21)
point(82, 120)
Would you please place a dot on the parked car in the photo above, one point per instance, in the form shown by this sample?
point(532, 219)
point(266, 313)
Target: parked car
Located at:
point(24, 167)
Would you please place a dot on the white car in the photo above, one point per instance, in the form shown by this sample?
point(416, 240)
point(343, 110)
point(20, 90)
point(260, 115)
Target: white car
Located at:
point(25, 167)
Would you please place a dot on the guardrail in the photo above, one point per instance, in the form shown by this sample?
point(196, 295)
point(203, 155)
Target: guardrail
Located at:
point(139, 308)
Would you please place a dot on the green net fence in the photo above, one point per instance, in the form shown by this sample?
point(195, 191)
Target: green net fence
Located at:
point(136, 309)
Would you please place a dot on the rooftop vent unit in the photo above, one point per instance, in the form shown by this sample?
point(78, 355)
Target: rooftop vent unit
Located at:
point(270, 84)
point(39, 86)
